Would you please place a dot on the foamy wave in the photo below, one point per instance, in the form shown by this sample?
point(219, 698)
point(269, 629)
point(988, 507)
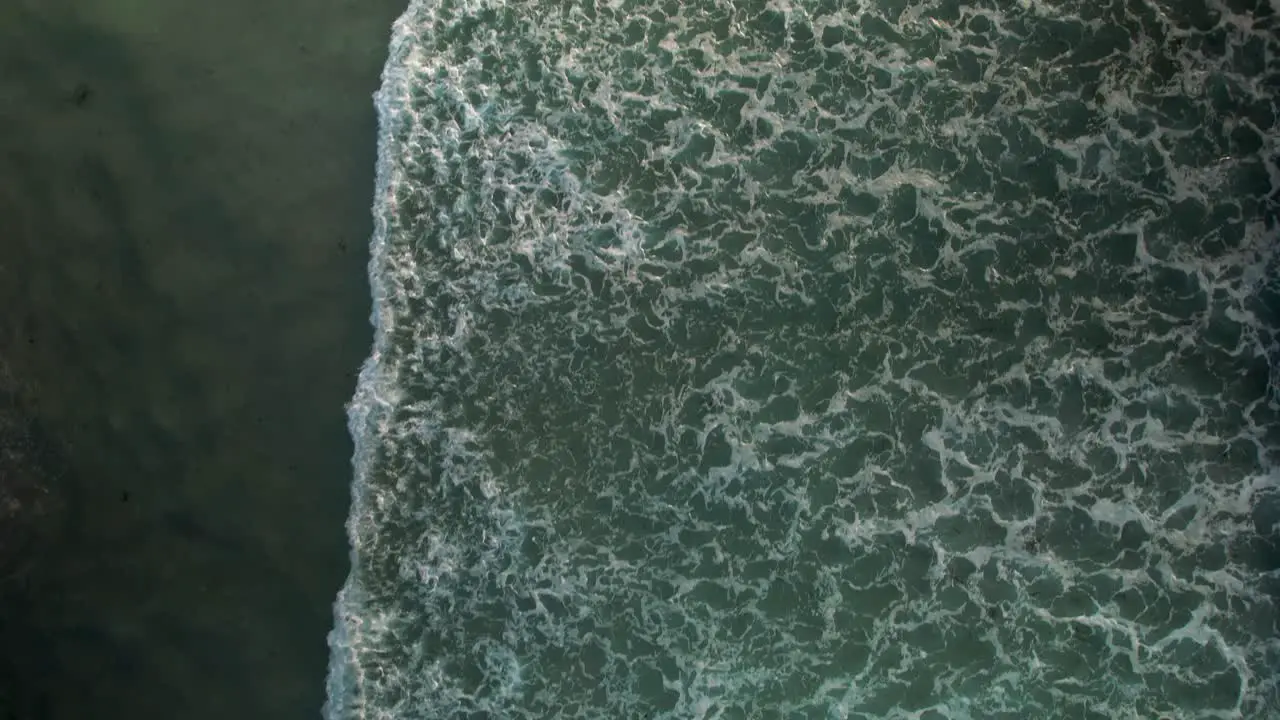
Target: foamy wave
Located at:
point(734, 358)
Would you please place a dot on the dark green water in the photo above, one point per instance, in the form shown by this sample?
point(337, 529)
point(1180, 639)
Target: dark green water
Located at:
point(820, 360)
point(184, 212)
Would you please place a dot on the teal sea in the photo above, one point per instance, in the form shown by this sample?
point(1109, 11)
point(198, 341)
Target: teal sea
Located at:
point(816, 359)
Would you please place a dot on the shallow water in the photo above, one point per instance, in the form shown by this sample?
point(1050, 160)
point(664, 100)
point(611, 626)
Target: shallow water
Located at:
point(183, 206)
point(822, 360)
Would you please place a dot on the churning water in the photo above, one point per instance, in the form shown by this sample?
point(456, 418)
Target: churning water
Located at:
point(817, 359)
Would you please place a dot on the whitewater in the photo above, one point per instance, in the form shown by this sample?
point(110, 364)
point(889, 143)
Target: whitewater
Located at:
point(817, 359)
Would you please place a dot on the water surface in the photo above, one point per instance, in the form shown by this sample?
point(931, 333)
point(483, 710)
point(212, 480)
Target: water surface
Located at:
point(819, 360)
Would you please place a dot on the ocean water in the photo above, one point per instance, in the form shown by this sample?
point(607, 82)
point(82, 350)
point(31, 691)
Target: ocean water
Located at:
point(814, 359)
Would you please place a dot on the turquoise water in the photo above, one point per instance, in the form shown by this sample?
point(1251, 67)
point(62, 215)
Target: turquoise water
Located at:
point(819, 360)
